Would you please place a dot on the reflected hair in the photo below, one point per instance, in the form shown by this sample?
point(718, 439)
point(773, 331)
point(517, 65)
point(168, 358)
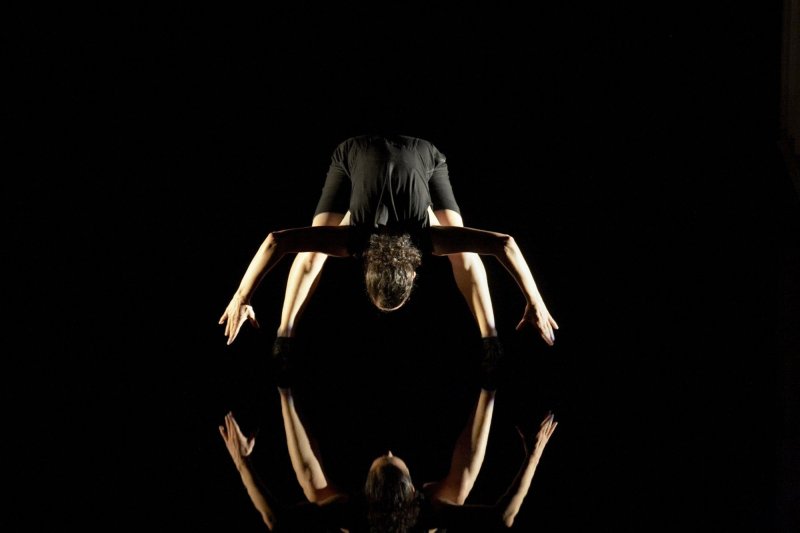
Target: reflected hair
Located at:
point(392, 502)
point(390, 262)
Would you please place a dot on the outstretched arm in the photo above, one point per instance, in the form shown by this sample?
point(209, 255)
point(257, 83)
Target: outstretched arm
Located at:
point(468, 454)
point(470, 276)
point(303, 453)
point(512, 500)
point(323, 239)
point(239, 448)
point(505, 511)
point(304, 276)
point(448, 240)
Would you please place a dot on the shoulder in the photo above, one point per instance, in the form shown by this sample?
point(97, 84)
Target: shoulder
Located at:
point(417, 143)
point(355, 144)
point(349, 148)
point(350, 141)
point(427, 148)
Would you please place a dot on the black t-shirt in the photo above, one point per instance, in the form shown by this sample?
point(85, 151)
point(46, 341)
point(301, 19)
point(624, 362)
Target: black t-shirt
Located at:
point(387, 182)
point(350, 513)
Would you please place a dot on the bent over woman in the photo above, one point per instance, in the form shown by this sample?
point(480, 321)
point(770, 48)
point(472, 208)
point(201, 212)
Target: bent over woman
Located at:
point(388, 201)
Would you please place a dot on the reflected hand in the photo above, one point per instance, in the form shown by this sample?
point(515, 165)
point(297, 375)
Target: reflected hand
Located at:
point(546, 429)
point(238, 445)
point(540, 317)
point(235, 315)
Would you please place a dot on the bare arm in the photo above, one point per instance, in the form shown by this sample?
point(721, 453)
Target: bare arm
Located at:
point(511, 501)
point(470, 276)
point(303, 453)
point(448, 240)
point(304, 276)
point(504, 512)
point(468, 454)
point(324, 239)
point(239, 448)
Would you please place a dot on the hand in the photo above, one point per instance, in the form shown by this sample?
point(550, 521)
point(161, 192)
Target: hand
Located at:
point(238, 445)
point(546, 429)
point(235, 315)
point(540, 317)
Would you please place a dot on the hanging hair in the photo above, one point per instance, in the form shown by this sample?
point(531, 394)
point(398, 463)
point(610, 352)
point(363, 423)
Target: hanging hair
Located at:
point(390, 262)
point(393, 505)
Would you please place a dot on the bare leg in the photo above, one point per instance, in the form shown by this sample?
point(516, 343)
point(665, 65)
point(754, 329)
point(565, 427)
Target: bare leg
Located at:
point(304, 277)
point(303, 452)
point(470, 276)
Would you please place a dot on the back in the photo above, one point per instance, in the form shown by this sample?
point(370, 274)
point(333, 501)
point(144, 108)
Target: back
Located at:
point(392, 180)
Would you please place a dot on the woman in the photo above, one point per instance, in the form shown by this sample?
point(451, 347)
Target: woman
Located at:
point(390, 501)
point(399, 205)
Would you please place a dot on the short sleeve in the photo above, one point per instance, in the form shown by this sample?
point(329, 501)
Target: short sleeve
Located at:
point(335, 196)
point(441, 191)
point(471, 517)
point(307, 517)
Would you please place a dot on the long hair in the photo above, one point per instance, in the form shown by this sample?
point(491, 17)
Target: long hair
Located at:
point(390, 262)
point(392, 503)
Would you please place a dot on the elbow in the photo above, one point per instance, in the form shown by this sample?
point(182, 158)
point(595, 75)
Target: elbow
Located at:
point(269, 520)
point(311, 494)
point(271, 242)
point(506, 246)
point(506, 510)
point(465, 488)
point(501, 519)
point(509, 244)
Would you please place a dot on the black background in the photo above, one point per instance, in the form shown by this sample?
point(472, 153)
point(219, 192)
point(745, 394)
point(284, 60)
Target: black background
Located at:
point(632, 154)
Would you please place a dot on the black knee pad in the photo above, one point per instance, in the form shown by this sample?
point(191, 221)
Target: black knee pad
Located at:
point(491, 362)
point(282, 361)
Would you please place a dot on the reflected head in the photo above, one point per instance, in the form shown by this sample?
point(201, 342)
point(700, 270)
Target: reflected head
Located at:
point(392, 503)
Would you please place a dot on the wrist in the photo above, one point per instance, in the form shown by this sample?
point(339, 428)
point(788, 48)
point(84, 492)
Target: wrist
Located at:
point(242, 294)
point(242, 465)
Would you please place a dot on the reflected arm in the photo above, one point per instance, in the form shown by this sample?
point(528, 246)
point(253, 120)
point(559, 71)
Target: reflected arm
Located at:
point(240, 448)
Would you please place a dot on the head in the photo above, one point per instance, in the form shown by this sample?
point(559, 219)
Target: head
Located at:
point(390, 267)
point(392, 503)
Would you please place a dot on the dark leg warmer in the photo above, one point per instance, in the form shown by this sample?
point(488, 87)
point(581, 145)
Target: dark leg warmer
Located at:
point(492, 363)
point(282, 365)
